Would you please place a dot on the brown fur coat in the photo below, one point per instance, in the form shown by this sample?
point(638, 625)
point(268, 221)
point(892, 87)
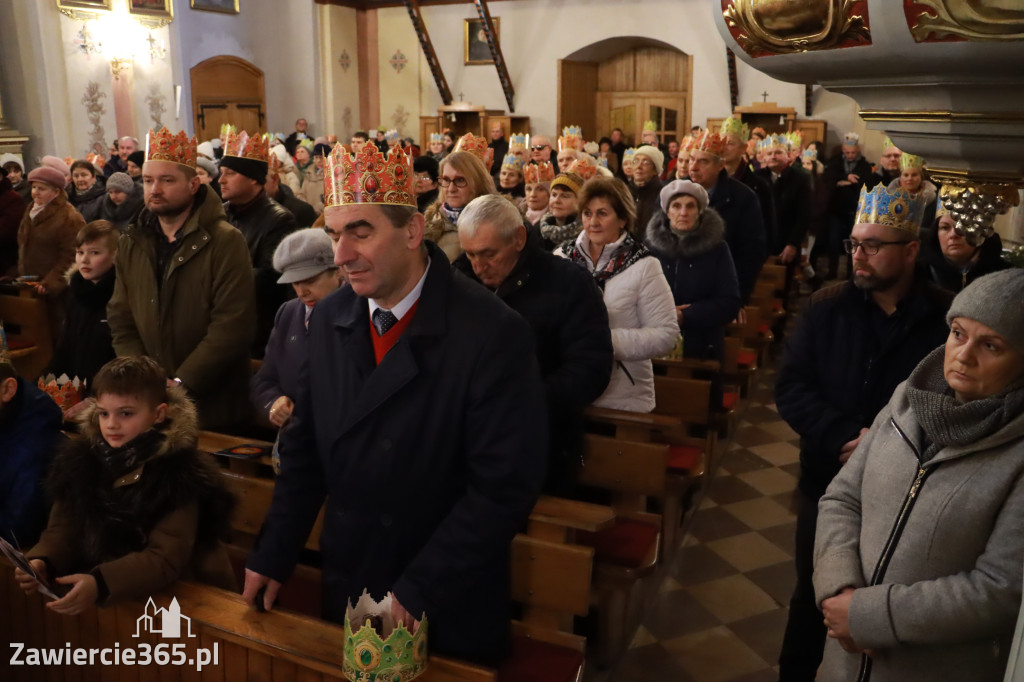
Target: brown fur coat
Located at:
point(46, 243)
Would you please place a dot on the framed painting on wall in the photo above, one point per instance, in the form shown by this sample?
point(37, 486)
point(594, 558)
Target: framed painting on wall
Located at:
point(225, 6)
point(68, 6)
point(475, 41)
point(156, 9)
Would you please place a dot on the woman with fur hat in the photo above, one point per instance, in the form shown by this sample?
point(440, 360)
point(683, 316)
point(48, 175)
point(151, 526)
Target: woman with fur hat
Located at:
point(918, 554)
point(688, 238)
point(46, 236)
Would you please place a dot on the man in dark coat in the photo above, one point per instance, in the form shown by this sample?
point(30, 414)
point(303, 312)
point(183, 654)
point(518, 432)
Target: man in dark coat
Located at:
point(888, 166)
point(300, 133)
point(564, 308)
point(499, 143)
point(734, 146)
point(305, 215)
point(422, 421)
point(790, 196)
point(29, 433)
point(737, 205)
point(845, 175)
point(264, 222)
point(857, 341)
point(118, 163)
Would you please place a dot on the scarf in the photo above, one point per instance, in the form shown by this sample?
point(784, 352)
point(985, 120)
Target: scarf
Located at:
point(629, 252)
point(947, 421)
point(452, 214)
point(555, 233)
point(533, 217)
point(130, 456)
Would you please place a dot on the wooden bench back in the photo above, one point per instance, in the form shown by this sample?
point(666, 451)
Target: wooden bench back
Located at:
point(26, 318)
point(688, 399)
point(624, 466)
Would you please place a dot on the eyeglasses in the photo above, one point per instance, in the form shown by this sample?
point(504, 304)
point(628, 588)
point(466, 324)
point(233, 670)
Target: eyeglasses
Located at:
point(458, 182)
point(870, 246)
point(538, 147)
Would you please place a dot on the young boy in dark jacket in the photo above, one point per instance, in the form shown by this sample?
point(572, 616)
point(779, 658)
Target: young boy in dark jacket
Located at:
point(136, 507)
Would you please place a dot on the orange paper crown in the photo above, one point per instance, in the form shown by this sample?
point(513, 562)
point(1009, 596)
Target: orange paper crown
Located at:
point(585, 167)
point(163, 145)
point(572, 138)
point(241, 144)
point(709, 142)
point(369, 177)
point(477, 146)
point(539, 172)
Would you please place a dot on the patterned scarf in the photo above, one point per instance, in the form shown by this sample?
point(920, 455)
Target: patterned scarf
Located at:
point(452, 214)
point(629, 252)
point(130, 456)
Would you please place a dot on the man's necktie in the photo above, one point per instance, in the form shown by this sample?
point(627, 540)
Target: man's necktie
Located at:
point(383, 320)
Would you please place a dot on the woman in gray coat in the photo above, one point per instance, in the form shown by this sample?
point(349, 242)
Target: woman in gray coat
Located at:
point(919, 553)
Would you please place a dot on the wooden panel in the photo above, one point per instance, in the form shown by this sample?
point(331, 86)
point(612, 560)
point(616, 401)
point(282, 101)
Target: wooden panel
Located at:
point(618, 73)
point(625, 466)
point(428, 125)
point(661, 69)
point(577, 103)
point(688, 399)
point(219, 85)
point(811, 129)
point(551, 575)
point(369, 71)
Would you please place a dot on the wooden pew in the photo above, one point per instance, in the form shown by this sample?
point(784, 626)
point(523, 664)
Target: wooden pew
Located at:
point(26, 322)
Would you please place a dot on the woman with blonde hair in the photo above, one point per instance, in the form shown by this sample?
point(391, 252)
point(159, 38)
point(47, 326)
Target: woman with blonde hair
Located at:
point(463, 177)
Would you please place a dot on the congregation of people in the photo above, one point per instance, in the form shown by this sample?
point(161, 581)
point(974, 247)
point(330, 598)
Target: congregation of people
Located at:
point(429, 329)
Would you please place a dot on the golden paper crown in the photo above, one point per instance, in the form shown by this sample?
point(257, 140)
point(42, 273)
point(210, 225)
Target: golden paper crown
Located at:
point(585, 167)
point(892, 208)
point(369, 177)
point(512, 162)
point(519, 141)
point(162, 145)
point(538, 172)
point(851, 139)
point(572, 138)
point(627, 156)
point(735, 126)
point(436, 137)
point(687, 143)
point(795, 138)
point(709, 142)
point(887, 143)
point(368, 656)
point(242, 145)
point(911, 161)
point(477, 146)
point(650, 127)
point(773, 141)
point(810, 153)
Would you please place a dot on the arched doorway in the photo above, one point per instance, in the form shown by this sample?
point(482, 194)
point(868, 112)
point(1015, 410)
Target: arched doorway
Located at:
point(622, 82)
point(227, 89)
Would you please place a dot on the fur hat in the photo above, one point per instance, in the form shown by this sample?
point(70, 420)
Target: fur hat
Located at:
point(304, 254)
point(995, 301)
point(652, 153)
point(677, 187)
point(206, 149)
point(426, 164)
point(122, 182)
point(58, 165)
point(202, 162)
point(138, 157)
point(49, 175)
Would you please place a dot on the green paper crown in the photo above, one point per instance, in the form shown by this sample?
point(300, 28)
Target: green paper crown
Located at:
point(734, 126)
point(650, 127)
point(369, 658)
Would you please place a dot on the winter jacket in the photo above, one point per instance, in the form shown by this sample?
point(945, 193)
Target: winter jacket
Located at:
point(744, 229)
point(286, 351)
point(123, 215)
point(46, 243)
point(80, 199)
point(84, 344)
point(699, 270)
point(949, 276)
point(843, 201)
point(312, 187)
point(304, 214)
point(791, 197)
point(566, 311)
point(12, 208)
point(648, 202)
point(762, 187)
point(198, 322)
point(139, 533)
point(442, 231)
point(643, 323)
point(843, 363)
point(943, 606)
point(24, 190)
point(29, 435)
point(264, 222)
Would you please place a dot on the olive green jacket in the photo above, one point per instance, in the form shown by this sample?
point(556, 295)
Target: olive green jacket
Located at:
point(199, 323)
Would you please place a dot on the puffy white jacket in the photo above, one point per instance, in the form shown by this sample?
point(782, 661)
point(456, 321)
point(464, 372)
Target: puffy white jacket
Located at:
point(642, 315)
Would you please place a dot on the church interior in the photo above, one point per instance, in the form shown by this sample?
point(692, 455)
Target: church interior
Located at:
point(684, 567)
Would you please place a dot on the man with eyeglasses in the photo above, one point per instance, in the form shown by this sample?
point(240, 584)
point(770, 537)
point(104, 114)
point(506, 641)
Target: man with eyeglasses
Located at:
point(889, 165)
point(540, 150)
point(856, 342)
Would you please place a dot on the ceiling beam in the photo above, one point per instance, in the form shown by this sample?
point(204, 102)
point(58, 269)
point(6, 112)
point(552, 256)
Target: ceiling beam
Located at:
point(413, 7)
point(499, 59)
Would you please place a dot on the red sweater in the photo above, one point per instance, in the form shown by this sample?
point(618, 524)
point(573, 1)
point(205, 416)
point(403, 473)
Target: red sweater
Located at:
point(382, 344)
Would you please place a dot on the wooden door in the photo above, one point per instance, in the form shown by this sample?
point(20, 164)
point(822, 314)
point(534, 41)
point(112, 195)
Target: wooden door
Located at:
point(669, 113)
point(227, 89)
point(620, 110)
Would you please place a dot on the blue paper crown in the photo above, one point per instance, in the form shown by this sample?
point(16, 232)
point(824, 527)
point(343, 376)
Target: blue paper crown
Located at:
point(512, 162)
point(892, 208)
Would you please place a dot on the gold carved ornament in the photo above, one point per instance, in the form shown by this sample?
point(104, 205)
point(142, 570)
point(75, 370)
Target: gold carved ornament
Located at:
point(974, 20)
point(767, 27)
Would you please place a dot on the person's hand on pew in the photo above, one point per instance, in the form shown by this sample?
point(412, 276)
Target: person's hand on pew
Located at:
point(254, 582)
point(281, 411)
point(27, 584)
point(82, 595)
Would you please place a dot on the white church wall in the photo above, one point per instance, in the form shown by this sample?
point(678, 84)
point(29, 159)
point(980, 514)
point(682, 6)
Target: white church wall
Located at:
point(339, 60)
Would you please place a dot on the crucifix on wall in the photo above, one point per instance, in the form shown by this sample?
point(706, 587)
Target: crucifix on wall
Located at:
point(764, 96)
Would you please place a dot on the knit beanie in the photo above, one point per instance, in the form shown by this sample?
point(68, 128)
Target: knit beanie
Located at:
point(997, 301)
point(122, 182)
point(652, 153)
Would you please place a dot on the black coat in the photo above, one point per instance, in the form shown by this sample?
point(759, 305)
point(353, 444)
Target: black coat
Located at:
point(744, 229)
point(12, 208)
point(80, 199)
point(844, 200)
point(424, 200)
point(282, 362)
point(950, 277)
point(430, 462)
point(762, 187)
point(700, 272)
point(843, 363)
point(791, 197)
point(570, 326)
point(264, 222)
point(648, 202)
point(102, 208)
point(305, 215)
point(882, 177)
point(85, 344)
point(500, 148)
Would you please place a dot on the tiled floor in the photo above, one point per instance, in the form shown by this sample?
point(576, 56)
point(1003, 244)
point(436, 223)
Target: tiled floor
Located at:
point(720, 611)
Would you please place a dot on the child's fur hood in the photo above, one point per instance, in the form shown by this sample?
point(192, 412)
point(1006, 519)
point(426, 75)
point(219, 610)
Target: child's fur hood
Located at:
point(181, 426)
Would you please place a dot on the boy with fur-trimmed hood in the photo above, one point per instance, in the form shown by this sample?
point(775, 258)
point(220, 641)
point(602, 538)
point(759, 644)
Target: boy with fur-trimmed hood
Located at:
point(136, 507)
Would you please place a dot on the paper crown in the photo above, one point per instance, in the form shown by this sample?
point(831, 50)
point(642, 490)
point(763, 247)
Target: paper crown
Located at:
point(393, 655)
point(911, 161)
point(851, 139)
point(162, 145)
point(585, 167)
point(477, 146)
point(734, 126)
point(96, 160)
point(572, 138)
point(810, 153)
point(627, 156)
point(687, 143)
point(436, 137)
point(795, 139)
point(887, 143)
point(538, 172)
point(772, 141)
point(709, 142)
point(592, 148)
point(512, 162)
point(391, 135)
point(650, 127)
point(940, 208)
point(369, 177)
point(602, 162)
point(64, 391)
point(242, 145)
point(5, 355)
point(891, 208)
point(519, 141)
